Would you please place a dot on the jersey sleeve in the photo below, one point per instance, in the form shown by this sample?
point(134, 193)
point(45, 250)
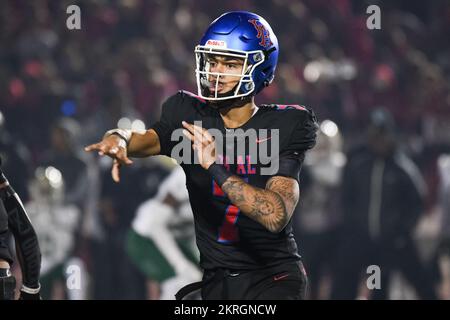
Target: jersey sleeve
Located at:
point(302, 138)
point(168, 122)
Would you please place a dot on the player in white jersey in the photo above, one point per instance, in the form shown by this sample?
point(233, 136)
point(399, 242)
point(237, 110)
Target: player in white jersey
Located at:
point(162, 241)
point(55, 222)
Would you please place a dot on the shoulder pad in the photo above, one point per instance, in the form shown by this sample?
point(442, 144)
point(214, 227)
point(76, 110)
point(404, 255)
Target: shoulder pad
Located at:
point(278, 107)
point(190, 94)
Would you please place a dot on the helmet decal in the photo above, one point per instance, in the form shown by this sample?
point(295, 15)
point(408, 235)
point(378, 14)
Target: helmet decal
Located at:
point(216, 44)
point(263, 33)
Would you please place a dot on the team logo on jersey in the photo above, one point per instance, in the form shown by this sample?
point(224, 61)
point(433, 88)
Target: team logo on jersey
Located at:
point(216, 43)
point(263, 33)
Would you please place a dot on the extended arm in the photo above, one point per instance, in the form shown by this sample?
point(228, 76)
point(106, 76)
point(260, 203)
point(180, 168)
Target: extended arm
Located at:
point(119, 144)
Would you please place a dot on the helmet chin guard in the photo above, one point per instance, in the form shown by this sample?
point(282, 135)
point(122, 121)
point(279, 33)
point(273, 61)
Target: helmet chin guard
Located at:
point(245, 86)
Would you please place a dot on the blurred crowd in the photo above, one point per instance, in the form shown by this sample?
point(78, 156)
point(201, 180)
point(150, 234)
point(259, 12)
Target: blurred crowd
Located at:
point(61, 89)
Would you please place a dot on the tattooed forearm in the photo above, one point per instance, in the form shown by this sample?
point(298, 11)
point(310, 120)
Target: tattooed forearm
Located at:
point(272, 207)
point(287, 188)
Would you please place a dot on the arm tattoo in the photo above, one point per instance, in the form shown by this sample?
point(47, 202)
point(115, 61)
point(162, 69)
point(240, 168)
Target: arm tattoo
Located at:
point(287, 188)
point(272, 206)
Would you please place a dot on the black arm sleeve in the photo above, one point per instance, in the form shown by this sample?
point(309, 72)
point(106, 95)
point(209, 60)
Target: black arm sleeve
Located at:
point(303, 138)
point(27, 246)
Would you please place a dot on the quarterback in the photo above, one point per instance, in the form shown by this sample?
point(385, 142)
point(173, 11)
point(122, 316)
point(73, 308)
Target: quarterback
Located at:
point(242, 211)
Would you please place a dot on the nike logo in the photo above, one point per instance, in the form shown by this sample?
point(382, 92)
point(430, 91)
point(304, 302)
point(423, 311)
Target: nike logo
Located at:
point(276, 278)
point(262, 140)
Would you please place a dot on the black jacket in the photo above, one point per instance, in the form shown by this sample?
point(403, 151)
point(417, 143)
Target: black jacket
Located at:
point(382, 198)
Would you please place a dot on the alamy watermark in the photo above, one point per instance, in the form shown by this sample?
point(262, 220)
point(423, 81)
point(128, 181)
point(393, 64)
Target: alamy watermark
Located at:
point(73, 21)
point(374, 280)
point(73, 277)
point(374, 20)
point(238, 146)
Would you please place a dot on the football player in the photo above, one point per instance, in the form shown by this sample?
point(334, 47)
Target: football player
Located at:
point(242, 204)
point(161, 241)
point(13, 217)
point(55, 221)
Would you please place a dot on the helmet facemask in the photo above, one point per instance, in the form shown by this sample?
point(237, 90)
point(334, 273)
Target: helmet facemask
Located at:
point(245, 85)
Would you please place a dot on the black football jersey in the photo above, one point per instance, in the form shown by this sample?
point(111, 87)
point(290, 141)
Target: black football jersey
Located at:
point(227, 238)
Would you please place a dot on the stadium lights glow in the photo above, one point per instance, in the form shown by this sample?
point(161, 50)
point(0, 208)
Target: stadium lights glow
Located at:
point(444, 160)
point(54, 177)
point(124, 123)
point(138, 126)
point(338, 159)
point(312, 71)
point(328, 70)
point(329, 128)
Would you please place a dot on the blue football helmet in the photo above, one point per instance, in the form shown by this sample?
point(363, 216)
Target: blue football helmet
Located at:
point(243, 35)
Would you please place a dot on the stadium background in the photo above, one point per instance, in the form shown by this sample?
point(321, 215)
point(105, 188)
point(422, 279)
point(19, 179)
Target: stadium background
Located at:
point(62, 89)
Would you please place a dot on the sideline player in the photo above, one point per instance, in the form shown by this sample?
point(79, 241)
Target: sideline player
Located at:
point(13, 217)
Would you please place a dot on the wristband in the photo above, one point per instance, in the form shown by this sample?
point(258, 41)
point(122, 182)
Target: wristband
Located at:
point(30, 290)
point(122, 133)
point(219, 173)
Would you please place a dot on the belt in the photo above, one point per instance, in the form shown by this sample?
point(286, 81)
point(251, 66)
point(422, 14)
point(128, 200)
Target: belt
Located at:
point(219, 274)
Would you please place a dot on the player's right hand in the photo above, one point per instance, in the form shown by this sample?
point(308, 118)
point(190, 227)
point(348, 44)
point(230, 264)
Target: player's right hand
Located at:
point(110, 146)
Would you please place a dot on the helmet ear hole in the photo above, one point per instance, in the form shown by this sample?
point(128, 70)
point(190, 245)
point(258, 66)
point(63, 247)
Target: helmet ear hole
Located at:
point(257, 57)
point(249, 86)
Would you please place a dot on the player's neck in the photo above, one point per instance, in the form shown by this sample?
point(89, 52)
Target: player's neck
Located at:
point(236, 117)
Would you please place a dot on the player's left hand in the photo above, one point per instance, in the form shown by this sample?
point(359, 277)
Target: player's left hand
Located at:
point(202, 142)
